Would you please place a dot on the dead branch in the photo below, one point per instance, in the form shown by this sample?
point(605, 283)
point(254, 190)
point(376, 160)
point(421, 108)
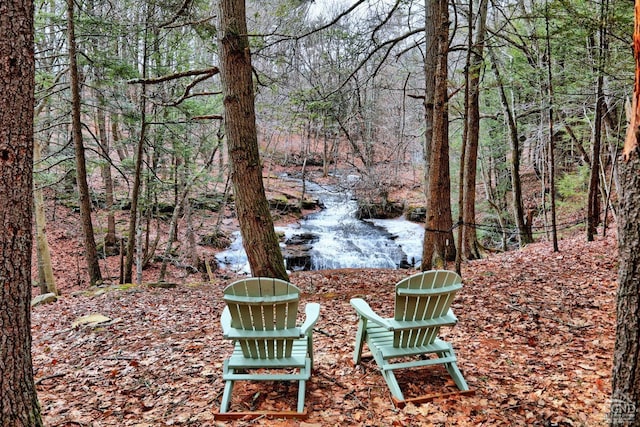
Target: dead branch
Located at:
point(155, 80)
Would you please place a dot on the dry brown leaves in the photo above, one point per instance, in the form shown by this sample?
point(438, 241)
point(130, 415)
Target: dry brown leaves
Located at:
point(534, 340)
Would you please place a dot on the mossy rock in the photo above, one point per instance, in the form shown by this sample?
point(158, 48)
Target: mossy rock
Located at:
point(217, 240)
point(416, 213)
point(369, 209)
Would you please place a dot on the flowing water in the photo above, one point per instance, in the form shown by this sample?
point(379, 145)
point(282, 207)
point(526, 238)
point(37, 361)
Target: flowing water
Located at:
point(338, 240)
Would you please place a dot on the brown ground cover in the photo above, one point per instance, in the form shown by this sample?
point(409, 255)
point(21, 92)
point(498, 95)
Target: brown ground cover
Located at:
point(534, 340)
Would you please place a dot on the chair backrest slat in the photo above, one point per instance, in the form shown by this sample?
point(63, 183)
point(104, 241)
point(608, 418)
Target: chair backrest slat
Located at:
point(423, 296)
point(263, 304)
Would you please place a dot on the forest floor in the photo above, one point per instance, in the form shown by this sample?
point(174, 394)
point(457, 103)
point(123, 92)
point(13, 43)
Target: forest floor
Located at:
point(535, 342)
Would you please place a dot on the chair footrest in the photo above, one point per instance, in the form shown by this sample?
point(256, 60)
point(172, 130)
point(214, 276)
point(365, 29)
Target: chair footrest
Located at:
point(429, 397)
point(418, 363)
point(225, 416)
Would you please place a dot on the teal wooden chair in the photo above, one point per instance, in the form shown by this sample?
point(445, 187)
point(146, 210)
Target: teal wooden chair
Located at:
point(260, 317)
point(421, 307)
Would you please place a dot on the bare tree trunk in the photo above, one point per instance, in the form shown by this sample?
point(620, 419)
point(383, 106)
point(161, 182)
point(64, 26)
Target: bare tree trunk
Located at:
point(91, 253)
point(18, 399)
point(593, 204)
point(135, 190)
point(105, 168)
point(470, 247)
point(524, 232)
point(256, 225)
point(625, 385)
point(552, 145)
point(42, 245)
point(430, 67)
point(439, 245)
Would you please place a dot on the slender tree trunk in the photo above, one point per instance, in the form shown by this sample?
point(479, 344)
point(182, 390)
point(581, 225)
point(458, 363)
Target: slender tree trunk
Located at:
point(439, 245)
point(18, 399)
point(552, 145)
point(469, 246)
point(42, 245)
point(256, 225)
point(593, 204)
point(105, 169)
point(465, 140)
point(625, 388)
point(91, 253)
point(137, 179)
point(524, 232)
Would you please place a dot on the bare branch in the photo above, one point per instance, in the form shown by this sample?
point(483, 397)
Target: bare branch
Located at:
point(155, 80)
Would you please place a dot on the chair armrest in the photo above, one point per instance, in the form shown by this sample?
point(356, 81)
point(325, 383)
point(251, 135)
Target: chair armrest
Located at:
point(365, 311)
point(225, 320)
point(312, 313)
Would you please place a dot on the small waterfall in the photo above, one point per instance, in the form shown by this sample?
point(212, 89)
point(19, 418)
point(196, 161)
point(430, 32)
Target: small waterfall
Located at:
point(333, 238)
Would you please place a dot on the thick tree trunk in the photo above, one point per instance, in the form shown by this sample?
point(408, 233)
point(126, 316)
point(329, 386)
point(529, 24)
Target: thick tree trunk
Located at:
point(625, 387)
point(430, 67)
point(91, 254)
point(439, 246)
point(626, 360)
point(18, 399)
point(256, 225)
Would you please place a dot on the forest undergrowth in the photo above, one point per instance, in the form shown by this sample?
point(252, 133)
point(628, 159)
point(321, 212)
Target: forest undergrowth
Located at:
point(535, 342)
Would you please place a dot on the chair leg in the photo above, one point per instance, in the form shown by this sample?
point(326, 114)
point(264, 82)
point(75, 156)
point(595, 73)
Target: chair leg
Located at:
point(457, 376)
point(392, 382)
point(302, 384)
point(301, 392)
point(360, 338)
point(454, 371)
point(228, 388)
point(226, 396)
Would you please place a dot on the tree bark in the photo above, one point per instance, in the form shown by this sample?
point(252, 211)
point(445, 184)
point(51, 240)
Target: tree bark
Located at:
point(470, 247)
point(626, 358)
point(552, 145)
point(430, 67)
point(625, 384)
point(439, 245)
point(593, 206)
point(91, 254)
point(18, 399)
point(256, 225)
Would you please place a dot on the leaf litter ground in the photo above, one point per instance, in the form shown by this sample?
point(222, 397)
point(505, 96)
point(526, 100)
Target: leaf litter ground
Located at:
point(534, 340)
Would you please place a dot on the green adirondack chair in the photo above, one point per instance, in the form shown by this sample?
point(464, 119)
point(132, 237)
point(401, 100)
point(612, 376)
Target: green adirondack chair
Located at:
point(421, 308)
point(260, 317)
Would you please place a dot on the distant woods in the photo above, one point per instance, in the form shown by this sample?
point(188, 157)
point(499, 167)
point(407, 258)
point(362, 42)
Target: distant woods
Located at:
point(512, 114)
